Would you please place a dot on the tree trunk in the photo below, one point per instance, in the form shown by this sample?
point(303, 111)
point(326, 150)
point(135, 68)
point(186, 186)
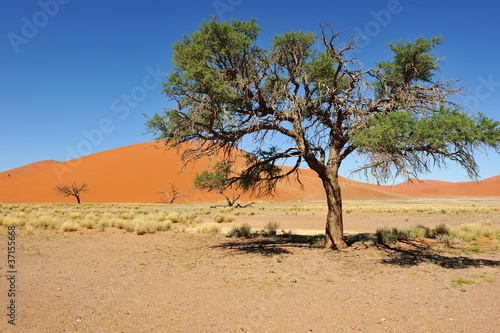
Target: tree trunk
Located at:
point(334, 234)
point(77, 198)
point(229, 202)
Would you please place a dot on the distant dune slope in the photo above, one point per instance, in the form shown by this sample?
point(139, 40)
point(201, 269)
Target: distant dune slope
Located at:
point(27, 168)
point(436, 189)
point(137, 173)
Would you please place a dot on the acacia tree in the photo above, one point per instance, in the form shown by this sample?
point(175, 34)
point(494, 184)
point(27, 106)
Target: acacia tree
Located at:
point(72, 190)
point(313, 93)
point(217, 180)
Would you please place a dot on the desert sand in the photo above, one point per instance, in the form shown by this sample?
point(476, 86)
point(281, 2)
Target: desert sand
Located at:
point(137, 173)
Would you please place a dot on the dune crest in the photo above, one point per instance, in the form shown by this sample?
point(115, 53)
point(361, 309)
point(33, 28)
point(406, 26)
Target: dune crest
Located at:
point(27, 168)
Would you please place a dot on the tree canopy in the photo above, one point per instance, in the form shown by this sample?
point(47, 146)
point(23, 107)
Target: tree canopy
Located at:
point(310, 95)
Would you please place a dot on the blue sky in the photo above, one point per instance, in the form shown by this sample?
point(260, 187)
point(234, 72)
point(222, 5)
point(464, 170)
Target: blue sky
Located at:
point(76, 75)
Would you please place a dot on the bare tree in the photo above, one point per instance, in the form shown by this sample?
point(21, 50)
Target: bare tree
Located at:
point(174, 192)
point(72, 190)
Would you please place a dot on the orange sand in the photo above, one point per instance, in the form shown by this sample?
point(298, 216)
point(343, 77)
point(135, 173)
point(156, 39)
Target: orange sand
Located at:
point(136, 173)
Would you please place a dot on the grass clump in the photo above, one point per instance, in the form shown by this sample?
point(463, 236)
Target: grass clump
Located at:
point(460, 282)
point(223, 218)
point(174, 217)
point(447, 239)
point(442, 229)
point(386, 235)
point(271, 228)
point(209, 228)
point(392, 235)
point(143, 225)
point(469, 231)
point(44, 221)
point(70, 226)
point(14, 221)
point(245, 230)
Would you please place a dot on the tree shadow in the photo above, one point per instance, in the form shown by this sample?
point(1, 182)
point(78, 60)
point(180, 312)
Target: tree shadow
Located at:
point(270, 246)
point(413, 254)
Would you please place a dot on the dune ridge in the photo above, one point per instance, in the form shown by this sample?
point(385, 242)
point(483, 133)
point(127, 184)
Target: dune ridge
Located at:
point(138, 172)
point(27, 168)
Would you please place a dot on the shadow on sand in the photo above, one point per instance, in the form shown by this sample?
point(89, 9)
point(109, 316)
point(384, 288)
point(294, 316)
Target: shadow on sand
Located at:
point(411, 253)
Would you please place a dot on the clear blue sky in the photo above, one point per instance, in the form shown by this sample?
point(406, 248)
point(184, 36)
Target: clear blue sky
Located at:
point(76, 75)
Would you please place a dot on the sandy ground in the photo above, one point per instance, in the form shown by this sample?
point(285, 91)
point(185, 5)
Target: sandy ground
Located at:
point(114, 281)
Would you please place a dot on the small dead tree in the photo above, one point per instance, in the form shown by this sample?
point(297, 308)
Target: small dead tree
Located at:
point(72, 190)
point(174, 192)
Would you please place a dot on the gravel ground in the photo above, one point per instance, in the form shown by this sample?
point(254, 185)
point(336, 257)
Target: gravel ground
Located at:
point(111, 281)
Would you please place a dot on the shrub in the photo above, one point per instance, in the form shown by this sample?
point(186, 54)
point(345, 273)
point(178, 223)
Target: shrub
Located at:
point(419, 232)
point(446, 239)
point(246, 230)
point(271, 228)
point(234, 231)
point(386, 235)
point(442, 229)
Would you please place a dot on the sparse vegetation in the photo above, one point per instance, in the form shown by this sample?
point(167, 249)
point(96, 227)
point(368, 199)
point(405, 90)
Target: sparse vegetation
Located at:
point(209, 228)
point(467, 233)
point(155, 218)
point(271, 228)
point(245, 230)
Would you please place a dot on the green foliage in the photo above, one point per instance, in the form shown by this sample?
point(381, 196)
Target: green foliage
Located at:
point(216, 180)
point(443, 130)
point(412, 61)
point(443, 134)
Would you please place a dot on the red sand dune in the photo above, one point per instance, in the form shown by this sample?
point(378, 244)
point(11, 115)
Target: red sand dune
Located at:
point(27, 168)
point(136, 174)
point(437, 189)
